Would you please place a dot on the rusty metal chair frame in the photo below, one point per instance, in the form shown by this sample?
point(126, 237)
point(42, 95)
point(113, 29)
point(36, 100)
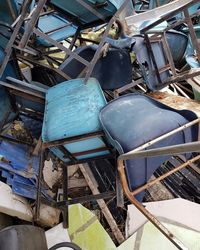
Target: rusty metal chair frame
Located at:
point(161, 36)
point(28, 94)
point(63, 205)
point(170, 150)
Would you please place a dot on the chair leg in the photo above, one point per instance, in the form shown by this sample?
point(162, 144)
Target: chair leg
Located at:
point(119, 191)
point(65, 197)
point(144, 211)
point(39, 186)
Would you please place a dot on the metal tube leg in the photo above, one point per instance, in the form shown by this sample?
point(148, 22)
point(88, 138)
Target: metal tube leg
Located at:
point(65, 197)
point(39, 186)
point(145, 212)
point(119, 191)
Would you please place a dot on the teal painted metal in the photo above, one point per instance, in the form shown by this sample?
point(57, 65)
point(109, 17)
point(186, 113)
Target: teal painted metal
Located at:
point(153, 3)
point(8, 11)
point(196, 28)
point(82, 15)
point(51, 23)
point(57, 28)
point(6, 111)
point(72, 109)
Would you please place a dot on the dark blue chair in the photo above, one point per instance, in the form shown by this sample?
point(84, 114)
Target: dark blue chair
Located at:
point(112, 71)
point(135, 119)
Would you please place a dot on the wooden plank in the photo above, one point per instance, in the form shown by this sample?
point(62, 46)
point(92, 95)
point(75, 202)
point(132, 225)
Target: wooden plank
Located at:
point(106, 212)
point(77, 183)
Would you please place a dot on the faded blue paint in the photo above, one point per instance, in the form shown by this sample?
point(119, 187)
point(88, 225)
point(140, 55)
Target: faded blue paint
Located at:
point(84, 16)
point(133, 120)
point(72, 109)
point(8, 11)
point(51, 22)
point(21, 170)
point(146, 64)
point(19, 158)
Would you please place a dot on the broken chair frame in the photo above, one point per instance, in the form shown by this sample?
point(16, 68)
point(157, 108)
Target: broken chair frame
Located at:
point(40, 148)
point(170, 150)
point(151, 35)
point(31, 29)
point(63, 205)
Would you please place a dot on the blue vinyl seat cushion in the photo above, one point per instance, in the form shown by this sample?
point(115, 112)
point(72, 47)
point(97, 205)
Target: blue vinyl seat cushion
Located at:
point(134, 119)
point(72, 109)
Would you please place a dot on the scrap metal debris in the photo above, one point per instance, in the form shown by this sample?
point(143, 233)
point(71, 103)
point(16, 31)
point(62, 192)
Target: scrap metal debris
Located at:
point(99, 105)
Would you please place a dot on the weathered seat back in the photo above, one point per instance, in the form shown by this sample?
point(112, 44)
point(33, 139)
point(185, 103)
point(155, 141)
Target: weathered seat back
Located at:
point(112, 71)
point(178, 43)
point(72, 109)
point(133, 120)
point(81, 16)
point(146, 64)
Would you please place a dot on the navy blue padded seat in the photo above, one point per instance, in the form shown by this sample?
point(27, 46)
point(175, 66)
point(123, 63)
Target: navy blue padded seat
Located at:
point(134, 119)
point(112, 71)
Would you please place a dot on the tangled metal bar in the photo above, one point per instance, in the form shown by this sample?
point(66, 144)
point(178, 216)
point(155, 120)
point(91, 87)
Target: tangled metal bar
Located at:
point(170, 150)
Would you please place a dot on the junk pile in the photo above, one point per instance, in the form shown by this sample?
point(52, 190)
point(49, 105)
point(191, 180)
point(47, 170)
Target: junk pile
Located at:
point(99, 105)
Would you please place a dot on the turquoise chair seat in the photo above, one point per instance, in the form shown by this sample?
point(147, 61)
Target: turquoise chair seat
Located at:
point(56, 27)
point(72, 109)
point(81, 16)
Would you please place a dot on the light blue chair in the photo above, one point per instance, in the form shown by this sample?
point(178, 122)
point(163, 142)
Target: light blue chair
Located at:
point(71, 115)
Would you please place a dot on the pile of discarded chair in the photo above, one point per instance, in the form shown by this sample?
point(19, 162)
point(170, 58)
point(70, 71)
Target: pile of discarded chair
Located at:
point(86, 99)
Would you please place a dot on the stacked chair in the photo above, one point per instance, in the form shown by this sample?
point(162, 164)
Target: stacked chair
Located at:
point(78, 124)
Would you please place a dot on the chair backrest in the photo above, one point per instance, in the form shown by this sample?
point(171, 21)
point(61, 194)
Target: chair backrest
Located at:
point(178, 43)
point(8, 11)
point(134, 119)
point(12, 70)
point(112, 71)
point(146, 64)
point(83, 17)
point(72, 110)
